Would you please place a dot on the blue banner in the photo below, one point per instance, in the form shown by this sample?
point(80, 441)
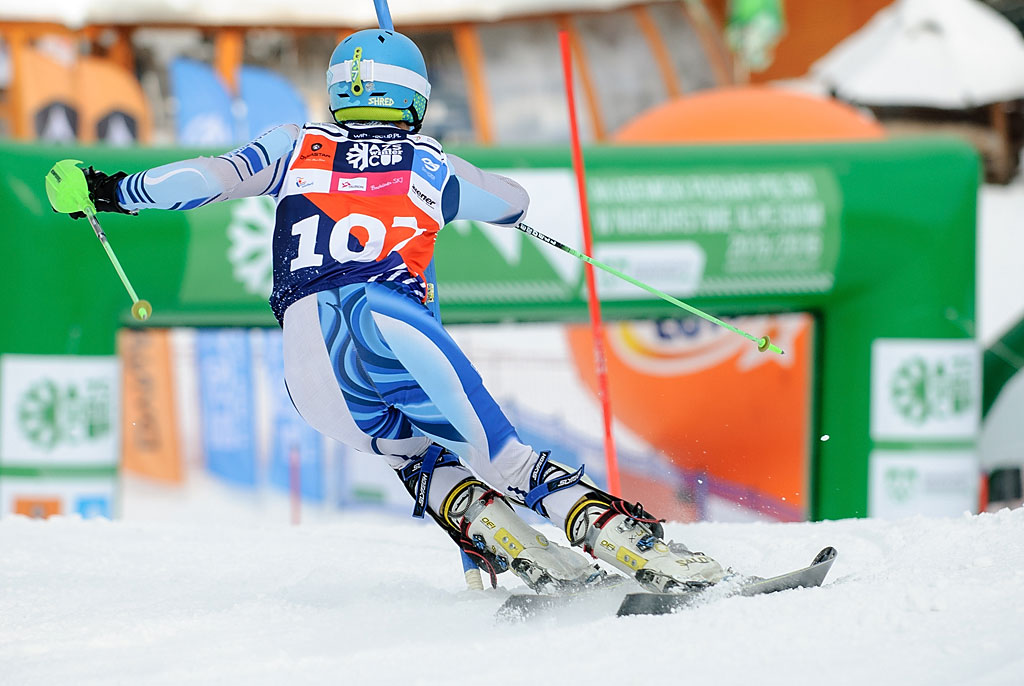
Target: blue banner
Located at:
point(269, 100)
point(291, 437)
point(227, 406)
point(204, 116)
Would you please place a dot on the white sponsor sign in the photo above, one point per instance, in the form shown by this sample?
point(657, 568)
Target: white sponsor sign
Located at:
point(60, 410)
point(35, 497)
point(675, 267)
point(934, 483)
point(926, 389)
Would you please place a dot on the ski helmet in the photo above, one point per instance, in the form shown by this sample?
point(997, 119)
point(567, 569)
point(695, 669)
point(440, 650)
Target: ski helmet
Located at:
point(378, 75)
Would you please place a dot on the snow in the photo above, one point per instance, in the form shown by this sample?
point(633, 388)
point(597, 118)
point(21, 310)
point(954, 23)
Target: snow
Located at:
point(329, 13)
point(178, 594)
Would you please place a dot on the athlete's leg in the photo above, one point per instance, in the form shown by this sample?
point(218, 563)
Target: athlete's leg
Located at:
point(422, 371)
point(329, 391)
point(347, 384)
point(330, 388)
point(606, 526)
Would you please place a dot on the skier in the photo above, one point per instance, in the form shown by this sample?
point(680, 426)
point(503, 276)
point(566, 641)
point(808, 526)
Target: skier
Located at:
point(359, 203)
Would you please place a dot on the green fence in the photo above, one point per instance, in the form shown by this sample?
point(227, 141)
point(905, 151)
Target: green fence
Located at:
point(876, 239)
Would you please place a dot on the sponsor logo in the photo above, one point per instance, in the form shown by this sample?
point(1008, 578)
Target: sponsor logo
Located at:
point(923, 389)
point(421, 498)
point(349, 185)
point(300, 182)
point(363, 155)
point(429, 168)
point(381, 101)
point(385, 184)
point(251, 234)
point(59, 409)
point(687, 561)
point(900, 482)
point(376, 134)
point(51, 413)
point(566, 481)
point(429, 202)
point(316, 152)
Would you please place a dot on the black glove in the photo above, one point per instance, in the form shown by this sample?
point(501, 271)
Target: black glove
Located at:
point(103, 192)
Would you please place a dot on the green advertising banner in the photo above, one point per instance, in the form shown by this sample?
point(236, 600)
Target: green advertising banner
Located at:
point(714, 232)
point(875, 239)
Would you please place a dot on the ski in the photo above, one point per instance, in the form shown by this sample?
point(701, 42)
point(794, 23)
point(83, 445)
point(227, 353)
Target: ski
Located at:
point(662, 603)
point(604, 597)
point(607, 597)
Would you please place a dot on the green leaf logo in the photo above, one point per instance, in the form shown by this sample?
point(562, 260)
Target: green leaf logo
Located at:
point(50, 415)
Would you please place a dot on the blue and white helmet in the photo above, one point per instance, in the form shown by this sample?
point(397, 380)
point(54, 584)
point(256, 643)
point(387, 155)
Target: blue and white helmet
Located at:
point(378, 75)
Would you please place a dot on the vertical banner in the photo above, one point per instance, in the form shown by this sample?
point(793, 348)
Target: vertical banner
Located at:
point(149, 427)
point(291, 437)
point(204, 116)
point(227, 404)
point(270, 100)
point(925, 418)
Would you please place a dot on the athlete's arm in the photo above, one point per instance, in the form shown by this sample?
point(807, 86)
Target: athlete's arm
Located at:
point(472, 193)
point(254, 169)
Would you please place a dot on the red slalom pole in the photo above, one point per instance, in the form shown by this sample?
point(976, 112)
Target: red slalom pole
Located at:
point(594, 305)
point(295, 474)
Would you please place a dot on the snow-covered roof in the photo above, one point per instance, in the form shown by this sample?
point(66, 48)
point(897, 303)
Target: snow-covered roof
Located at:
point(931, 53)
point(328, 13)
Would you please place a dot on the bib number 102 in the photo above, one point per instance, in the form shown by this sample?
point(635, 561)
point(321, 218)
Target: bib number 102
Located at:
point(338, 246)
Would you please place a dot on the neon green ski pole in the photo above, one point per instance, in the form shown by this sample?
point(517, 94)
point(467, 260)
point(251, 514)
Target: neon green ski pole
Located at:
point(764, 343)
point(68, 192)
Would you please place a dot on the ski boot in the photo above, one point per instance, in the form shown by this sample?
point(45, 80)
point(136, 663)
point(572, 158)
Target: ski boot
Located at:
point(490, 527)
point(632, 540)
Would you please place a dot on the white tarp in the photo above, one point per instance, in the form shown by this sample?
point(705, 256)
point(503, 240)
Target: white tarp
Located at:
point(948, 54)
point(328, 13)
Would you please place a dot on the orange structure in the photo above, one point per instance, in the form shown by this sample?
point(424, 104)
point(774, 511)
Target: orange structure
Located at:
point(703, 401)
point(749, 115)
point(715, 406)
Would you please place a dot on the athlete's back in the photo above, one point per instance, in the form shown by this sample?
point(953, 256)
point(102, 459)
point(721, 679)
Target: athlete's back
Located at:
point(358, 203)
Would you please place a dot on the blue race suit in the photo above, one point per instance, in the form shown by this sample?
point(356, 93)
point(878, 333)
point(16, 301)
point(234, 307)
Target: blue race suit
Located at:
point(358, 211)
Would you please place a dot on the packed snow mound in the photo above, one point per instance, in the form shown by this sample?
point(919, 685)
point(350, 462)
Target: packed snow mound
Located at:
point(371, 600)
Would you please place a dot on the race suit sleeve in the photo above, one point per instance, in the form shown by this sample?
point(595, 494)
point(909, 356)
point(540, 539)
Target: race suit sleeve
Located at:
point(472, 193)
point(254, 169)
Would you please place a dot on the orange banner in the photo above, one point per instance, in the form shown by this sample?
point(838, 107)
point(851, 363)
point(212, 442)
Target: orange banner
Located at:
point(709, 401)
point(149, 426)
point(45, 99)
point(111, 105)
point(37, 507)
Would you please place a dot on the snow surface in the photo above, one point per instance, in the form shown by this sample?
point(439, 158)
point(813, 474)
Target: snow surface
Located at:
point(175, 594)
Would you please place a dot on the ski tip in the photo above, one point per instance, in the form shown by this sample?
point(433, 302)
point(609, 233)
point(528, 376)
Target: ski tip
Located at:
point(654, 603)
point(826, 555)
point(519, 607)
